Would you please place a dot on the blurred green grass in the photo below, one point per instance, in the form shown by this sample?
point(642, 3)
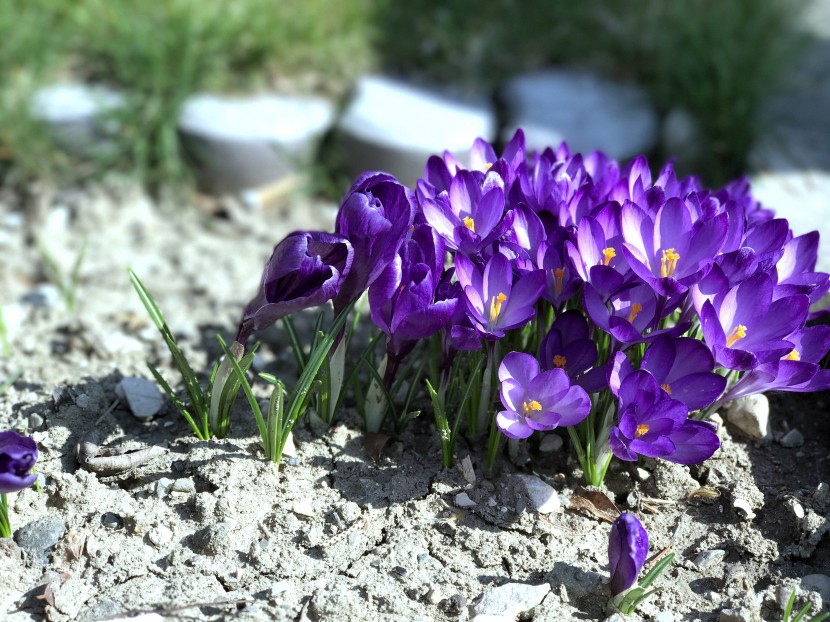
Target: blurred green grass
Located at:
point(718, 61)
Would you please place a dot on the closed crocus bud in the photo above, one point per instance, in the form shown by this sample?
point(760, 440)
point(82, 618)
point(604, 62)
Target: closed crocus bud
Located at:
point(18, 455)
point(627, 551)
point(305, 270)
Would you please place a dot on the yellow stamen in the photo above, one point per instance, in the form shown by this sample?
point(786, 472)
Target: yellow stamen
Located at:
point(739, 332)
point(793, 356)
point(609, 254)
point(641, 430)
point(635, 309)
point(495, 307)
point(558, 280)
point(668, 262)
point(470, 224)
point(531, 406)
point(559, 361)
point(666, 387)
point(488, 166)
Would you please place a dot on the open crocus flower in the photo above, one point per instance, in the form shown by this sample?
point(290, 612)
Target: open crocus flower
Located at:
point(683, 368)
point(627, 552)
point(744, 327)
point(18, 455)
point(568, 346)
point(470, 217)
point(495, 303)
point(375, 218)
point(537, 400)
point(305, 270)
point(652, 424)
point(670, 252)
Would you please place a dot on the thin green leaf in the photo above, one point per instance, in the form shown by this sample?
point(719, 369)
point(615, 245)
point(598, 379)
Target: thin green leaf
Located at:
point(293, 340)
point(789, 608)
point(246, 387)
point(382, 386)
point(656, 570)
point(180, 406)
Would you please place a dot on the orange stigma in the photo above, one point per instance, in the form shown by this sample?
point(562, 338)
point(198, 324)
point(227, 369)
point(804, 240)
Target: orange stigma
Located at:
point(635, 309)
point(666, 387)
point(793, 356)
point(641, 430)
point(558, 280)
point(668, 262)
point(559, 361)
point(739, 332)
point(609, 254)
point(470, 224)
point(495, 307)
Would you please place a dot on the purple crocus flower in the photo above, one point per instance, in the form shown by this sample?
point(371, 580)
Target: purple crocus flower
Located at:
point(627, 552)
point(745, 327)
point(796, 268)
point(568, 346)
point(537, 400)
point(683, 368)
point(470, 217)
point(670, 252)
point(375, 217)
point(495, 303)
point(18, 455)
point(653, 424)
point(305, 270)
point(403, 298)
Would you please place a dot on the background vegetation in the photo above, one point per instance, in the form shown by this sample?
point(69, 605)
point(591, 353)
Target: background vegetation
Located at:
point(718, 61)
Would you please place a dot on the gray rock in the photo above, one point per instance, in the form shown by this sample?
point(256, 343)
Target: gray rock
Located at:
point(792, 439)
point(543, 496)
point(551, 443)
point(588, 112)
point(253, 142)
point(395, 127)
point(736, 614)
point(160, 535)
point(750, 415)
point(705, 559)
point(77, 115)
point(213, 539)
point(163, 487)
point(183, 485)
point(510, 599)
point(38, 537)
point(462, 500)
point(35, 421)
point(142, 396)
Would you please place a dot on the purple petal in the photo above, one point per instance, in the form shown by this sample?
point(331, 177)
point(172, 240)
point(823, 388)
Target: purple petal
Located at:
point(627, 552)
point(512, 424)
point(695, 441)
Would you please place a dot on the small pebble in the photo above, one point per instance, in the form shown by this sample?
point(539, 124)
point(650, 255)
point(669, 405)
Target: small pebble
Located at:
point(792, 439)
point(551, 443)
point(290, 450)
point(83, 401)
point(434, 596)
point(292, 461)
point(795, 508)
point(467, 470)
point(705, 559)
point(642, 474)
point(183, 485)
point(35, 421)
point(462, 500)
point(303, 508)
point(142, 396)
point(543, 496)
point(163, 487)
point(750, 414)
point(278, 588)
point(112, 521)
point(160, 535)
point(743, 509)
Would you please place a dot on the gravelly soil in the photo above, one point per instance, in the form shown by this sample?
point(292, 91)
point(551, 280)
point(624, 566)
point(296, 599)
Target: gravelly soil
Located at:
point(335, 534)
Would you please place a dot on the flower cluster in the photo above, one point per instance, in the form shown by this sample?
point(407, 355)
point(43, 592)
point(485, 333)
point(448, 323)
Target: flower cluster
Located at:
point(600, 298)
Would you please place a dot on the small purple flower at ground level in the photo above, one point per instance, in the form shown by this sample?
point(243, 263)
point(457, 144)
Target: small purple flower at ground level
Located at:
point(18, 455)
point(495, 303)
point(537, 400)
point(375, 217)
point(627, 552)
point(305, 270)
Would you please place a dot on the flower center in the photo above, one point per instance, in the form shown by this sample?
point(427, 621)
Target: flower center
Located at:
point(666, 387)
point(641, 430)
point(470, 223)
point(793, 356)
point(558, 280)
point(739, 332)
point(668, 262)
point(559, 361)
point(635, 309)
point(609, 254)
point(495, 307)
point(531, 406)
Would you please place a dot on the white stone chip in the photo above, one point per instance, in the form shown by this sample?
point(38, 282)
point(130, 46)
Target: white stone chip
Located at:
point(510, 600)
point(142, 396)
point(462, 500)
point(544, 497)
point(750, 414)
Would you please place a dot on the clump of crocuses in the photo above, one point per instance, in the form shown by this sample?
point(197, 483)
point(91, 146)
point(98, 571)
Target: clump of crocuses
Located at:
point(585, 293)
point(18, 455)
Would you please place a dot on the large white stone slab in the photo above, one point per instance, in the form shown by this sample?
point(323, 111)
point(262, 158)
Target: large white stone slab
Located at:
point(587, 111)
point(238, 143)
point(393, 126)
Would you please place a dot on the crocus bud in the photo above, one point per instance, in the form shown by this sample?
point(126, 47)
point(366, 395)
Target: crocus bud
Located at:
point(627, 550)
point(18, 455)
